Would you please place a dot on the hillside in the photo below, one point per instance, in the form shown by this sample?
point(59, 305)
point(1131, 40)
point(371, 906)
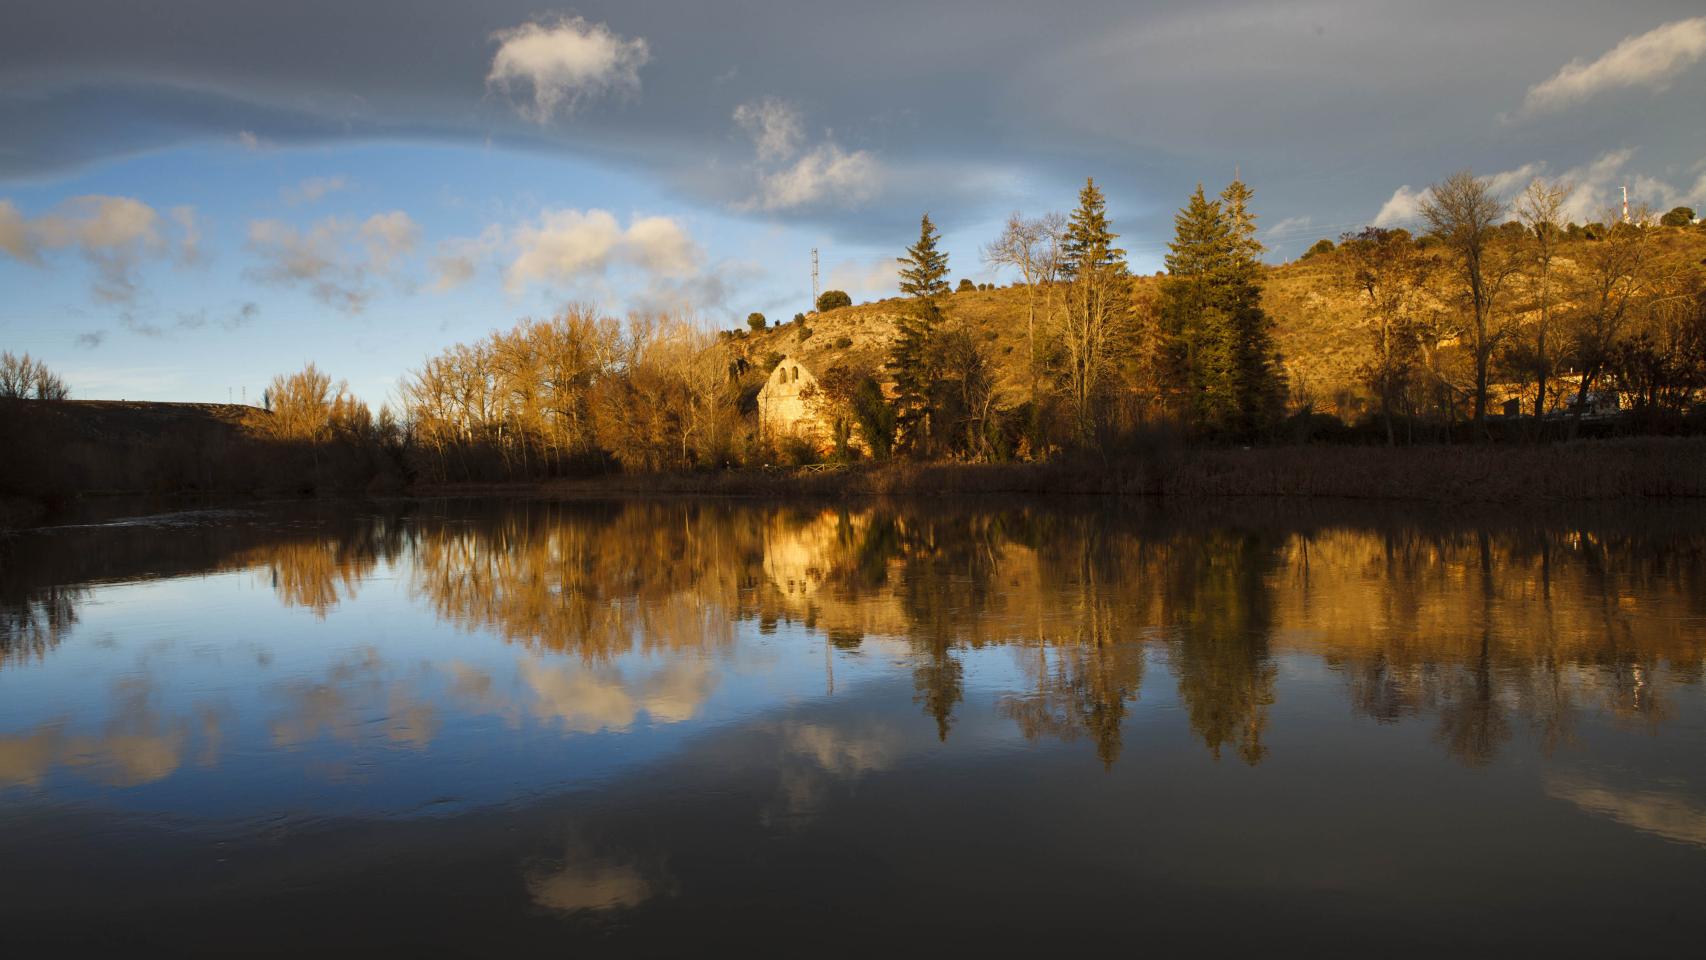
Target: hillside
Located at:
point(1318, 323)
point(120, 445)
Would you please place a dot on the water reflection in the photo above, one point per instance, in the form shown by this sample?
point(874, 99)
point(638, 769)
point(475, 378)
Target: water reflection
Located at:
point(1483, 631)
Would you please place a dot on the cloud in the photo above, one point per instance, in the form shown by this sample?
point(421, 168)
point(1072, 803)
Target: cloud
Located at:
point(569, 245)
point(565, 64)
point(336, 259)
point(239, 318)
point(774, 125)
point(1594, 186)
point(189, 244)
point(1404, 206)
point(92, 339)
point(249, 141)
point(825, 175)
point(313, 189)
point(1508, 182)
point(388, 237)
point(1650, 60)
point(1672, 815)
point(458, 259)
point(15, 240)
point(864, 277)
point(583, 700)
point(114, 234)
point(1289, 225)
point(141, 327)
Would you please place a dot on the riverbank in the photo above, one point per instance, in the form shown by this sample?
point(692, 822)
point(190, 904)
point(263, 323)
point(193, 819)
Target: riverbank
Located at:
point(1636, 469)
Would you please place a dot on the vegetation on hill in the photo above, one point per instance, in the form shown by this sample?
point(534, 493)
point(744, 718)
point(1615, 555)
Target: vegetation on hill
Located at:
point(1379, 337)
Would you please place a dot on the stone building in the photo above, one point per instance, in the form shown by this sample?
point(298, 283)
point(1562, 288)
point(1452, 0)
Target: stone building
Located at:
point(784, 412)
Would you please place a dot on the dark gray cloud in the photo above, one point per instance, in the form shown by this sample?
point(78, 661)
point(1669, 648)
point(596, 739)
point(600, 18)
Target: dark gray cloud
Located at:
point(965, 107)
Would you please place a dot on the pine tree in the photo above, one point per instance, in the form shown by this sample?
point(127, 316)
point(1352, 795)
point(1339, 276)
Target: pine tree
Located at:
point(1258, 385)
point(924, 269)
point(1217, 342)
point(912, 364)
point(1089, 240)
point(1093, 328)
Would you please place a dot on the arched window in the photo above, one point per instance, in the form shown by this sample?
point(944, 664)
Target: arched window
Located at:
point(794, 375)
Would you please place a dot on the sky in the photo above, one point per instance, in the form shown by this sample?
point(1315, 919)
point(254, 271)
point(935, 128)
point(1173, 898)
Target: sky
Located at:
point(196, 195)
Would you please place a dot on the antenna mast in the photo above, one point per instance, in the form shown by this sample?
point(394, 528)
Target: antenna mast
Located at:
point(815, 292)
point(1625, 203)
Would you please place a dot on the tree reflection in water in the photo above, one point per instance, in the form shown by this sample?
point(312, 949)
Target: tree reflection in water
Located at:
point(1486, 629)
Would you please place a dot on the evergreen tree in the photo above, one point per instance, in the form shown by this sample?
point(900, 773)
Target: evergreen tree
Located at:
point(924, 269)
point(1094, 326)
point(1217, 349)
point(1089, 240)
point(912, 363)
point(1258, 380)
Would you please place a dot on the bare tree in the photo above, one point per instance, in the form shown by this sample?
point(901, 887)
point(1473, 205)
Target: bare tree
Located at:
point(1093, 327)
point(1612, 276)
point(1389, 275)
point(1540, 209)
point(25, 378)
point(1463, 213)
point(1032, 247)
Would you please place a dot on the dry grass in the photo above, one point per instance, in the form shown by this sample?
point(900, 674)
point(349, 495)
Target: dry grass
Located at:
point(1626, 469)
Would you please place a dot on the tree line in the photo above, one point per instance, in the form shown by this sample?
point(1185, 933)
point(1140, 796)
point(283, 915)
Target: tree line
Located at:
point(1490, 300)
point(1484, 298)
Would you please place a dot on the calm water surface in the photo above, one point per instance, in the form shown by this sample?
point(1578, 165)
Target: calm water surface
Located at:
point(666, 728)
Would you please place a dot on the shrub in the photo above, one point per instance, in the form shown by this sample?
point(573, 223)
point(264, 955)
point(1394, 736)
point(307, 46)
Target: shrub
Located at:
point(756, 321)
point(842, 343)
point(965, 286)
point(833, 300)
point(797, 452)
point(1321, 246)
point(1678, 217)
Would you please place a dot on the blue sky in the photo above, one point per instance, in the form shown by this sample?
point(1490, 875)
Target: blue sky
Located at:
point(199, 195)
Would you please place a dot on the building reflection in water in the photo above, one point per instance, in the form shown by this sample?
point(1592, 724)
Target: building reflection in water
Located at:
point(1482, 631)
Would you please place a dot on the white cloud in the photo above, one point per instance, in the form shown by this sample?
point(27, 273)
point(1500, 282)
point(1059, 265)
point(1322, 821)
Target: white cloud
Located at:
point(249, 141)
point(335, 258)
point(1594, 186)
point(1404, 206)
point(1650, 60)
point(661, 246)
point(114, 234)
point(564, 64)
point(825, 175)
point(388, 237)
point(314, 189)
point(570, 245)
point(583, 700)
point(1289, 225)
point(1507, 182)
point(774, 125)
